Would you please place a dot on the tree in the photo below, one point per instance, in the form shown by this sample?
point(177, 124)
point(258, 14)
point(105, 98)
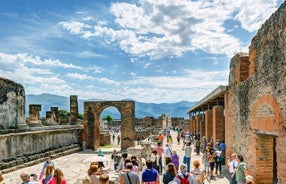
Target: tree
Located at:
point(108, 118)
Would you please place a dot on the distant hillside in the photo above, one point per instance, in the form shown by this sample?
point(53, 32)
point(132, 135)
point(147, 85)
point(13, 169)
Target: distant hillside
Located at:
point(142, 110)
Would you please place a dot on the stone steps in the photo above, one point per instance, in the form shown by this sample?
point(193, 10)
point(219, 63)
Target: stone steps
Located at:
point(29, 160)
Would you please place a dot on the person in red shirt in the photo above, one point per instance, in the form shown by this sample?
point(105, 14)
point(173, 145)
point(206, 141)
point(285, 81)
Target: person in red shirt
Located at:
point(160, 138)
point(58, 176)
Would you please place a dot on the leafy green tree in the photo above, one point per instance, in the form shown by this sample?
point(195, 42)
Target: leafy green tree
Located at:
point(80, 116)
point(108, 118)
point(64, 113)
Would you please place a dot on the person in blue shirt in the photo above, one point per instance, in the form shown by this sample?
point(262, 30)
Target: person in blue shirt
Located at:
point(222, 147)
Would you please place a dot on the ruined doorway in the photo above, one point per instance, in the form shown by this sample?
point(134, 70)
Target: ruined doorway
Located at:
point(266, 160)
point(92, 112)
point(267, 125)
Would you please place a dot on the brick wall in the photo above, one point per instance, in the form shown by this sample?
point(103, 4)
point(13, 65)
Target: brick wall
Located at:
point(255, 105)
point(208, 124)
point(218, 122)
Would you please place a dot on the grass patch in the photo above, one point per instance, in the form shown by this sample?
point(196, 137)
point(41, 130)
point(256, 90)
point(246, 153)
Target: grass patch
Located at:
point(106, 146)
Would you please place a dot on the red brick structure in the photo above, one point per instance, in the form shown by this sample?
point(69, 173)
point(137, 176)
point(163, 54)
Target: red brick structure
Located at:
point(251, 116)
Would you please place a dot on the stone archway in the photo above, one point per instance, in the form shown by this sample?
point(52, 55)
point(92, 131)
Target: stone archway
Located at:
point(267, 125)
point(92, 111)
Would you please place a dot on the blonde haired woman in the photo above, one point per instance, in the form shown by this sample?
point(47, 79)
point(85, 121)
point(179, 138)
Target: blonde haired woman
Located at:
point(58, 177)
point(48, 174)
point(198, 174)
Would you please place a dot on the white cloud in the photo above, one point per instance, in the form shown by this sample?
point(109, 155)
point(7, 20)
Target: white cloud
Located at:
point(74, 27)
point(159, 29)
point(79, 76)
point(35, 60)
point(108, 81)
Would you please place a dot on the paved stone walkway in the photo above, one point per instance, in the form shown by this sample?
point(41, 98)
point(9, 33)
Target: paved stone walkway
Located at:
point(75, 169)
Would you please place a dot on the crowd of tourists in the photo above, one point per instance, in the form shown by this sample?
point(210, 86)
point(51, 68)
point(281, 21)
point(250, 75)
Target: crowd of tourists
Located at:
point(163, 161)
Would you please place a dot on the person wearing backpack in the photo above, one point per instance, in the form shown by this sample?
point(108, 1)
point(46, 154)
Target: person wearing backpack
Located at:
point(183, 177)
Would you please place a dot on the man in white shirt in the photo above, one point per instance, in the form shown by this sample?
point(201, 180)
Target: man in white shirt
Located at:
point(232, 164)
point(168, 152)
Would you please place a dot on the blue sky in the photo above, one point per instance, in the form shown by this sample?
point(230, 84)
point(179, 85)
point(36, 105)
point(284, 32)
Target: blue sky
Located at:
point(145, 50)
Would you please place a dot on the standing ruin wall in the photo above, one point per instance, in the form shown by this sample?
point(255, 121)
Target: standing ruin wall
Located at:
point(12, 106)
point(258, 102)
point(27, 143)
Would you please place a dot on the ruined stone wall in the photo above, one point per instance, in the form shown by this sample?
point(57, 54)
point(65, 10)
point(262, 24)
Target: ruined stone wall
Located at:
point(12, 105)
point(258, 102)
point(20, 148)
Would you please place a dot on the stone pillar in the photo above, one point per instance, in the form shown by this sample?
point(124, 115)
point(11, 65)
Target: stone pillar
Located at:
point(193, 129)
point(50, 119)
point(218, 123)
point(208, 125)
point(136, 151)
point(202, 128)
point(198, 127)
point(73, 109)
point(34, 114)
point(55, 113)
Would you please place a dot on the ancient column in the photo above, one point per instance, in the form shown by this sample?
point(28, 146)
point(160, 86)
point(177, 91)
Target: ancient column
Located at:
point(55, 113)
point(218, 123)
point(73, 109)
point(208, 125)
point(34, 115)
point(198, 120)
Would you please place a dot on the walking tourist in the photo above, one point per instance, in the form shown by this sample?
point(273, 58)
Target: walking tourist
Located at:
point(204, 144)
point(222, 147)
point(48, 174)
point(211, 160)
point(150, 175)
point(155, 160)
point(183, 176)
point(187, 156)
point(198, 145)
point(121, 165)
point(48, 161)
point(115, 159)
point(218, 161)
point(129, 176)
point(198, 174)
point(175, 160)
point(104, 179)
point(168, 152)
point(160, 138)
point(170, 173)
point(135, 167)
point(118, 139)
point(160, 152)
point(93, 174)
point(241, 170)
point(58, 177)
point(232, 165)
point(25, 177)
point(178, 138)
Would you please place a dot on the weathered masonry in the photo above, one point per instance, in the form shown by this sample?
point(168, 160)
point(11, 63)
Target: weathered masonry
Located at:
point(27, 142)
point(254, 104)
point(92, 111)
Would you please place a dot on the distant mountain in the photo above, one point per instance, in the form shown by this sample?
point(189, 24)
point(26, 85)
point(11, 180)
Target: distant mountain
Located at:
point(142, 110)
